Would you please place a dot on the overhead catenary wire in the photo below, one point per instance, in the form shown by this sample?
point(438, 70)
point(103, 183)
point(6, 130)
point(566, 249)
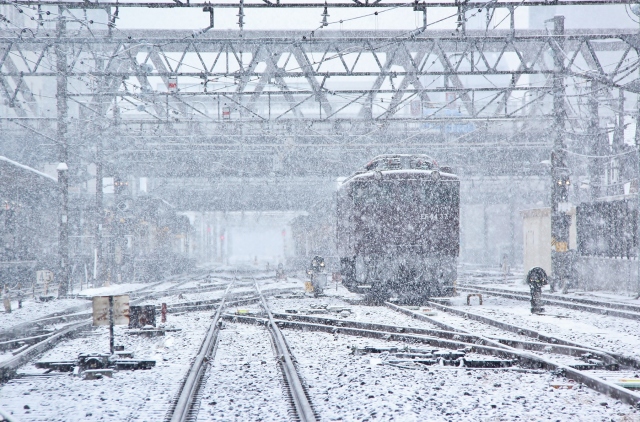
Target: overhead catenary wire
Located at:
point(357, 101)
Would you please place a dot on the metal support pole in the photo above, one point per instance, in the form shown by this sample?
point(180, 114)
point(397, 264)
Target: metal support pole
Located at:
point(596, 142)
point(618, 144)
point(638, 196)
point(638, 188)
point(111, 324)
point(99, 215)
point(61, 136)
point(512, 229)
point(63, 237)
point(485, 233)
point(560, 220)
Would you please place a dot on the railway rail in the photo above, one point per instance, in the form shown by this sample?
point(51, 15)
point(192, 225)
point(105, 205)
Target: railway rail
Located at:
point(32, 338)
point(536, 335)
point(298, 393)
point(39, 344)
point(597, 307)
point(80, 312)
point(587, 379)
point(595, 302)
point(487, 346)
point(185, 406)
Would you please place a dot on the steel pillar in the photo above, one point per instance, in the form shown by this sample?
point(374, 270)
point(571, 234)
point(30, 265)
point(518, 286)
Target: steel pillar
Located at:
point(61, 138)
point(595, 150)
point(560, 220)
point(99, 214)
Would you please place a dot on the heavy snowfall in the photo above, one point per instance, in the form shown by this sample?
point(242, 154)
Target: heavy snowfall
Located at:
point(349, 210)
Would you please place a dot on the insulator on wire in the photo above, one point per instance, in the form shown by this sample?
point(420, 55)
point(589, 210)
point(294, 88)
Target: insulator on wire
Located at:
point(325, 15)
point(241, 15)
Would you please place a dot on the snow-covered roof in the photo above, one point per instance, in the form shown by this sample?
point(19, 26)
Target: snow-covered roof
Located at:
point(27, 168)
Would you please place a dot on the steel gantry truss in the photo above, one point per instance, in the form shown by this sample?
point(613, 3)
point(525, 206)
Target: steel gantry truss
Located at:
point(272, 98)
point(269, 76)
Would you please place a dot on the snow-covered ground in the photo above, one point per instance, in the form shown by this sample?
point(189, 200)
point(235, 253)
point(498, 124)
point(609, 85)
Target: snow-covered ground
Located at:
point(602, 331)
point(347, 387)
point(32, 310)
point(244, 382)
point(130, 395)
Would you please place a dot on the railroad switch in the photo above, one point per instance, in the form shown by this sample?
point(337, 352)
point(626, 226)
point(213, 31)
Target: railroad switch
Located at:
point(151, 331)
point(97, 364)
point(428, 357)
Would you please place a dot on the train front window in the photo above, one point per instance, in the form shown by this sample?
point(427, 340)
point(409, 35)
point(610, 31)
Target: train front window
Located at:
point(420, 164)
point(394, 164)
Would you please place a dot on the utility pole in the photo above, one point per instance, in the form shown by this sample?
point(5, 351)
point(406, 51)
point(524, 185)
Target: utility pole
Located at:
point(638, 195)
point(560, 220)
point(61, 137)
point(99, 216)
point(638, 187)
point(595, 137)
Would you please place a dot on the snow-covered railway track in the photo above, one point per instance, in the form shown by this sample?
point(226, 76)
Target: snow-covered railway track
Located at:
point(76, 313)
point(9, 367)
point(620, 310)
point(619, 305)
point(514, 346)
point(184, 407)
point(626, 360)
point(44, 334)
point(187, 405)
point(365, 329)
point(304, 411)
point(484, 346)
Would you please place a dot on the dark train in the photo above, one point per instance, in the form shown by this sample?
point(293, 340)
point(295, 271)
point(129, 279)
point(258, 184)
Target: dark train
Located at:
point(398, 229)
point(27, 241)
point(608, 227)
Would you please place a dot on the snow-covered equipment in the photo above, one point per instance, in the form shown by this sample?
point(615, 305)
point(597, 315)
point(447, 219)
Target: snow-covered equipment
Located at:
point(536, 278)
point(398, 229)
point(141, 316)
point(96, 363)
point(317, 275)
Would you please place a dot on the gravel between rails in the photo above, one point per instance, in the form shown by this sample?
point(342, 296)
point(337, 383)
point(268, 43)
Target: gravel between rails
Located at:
point(142, 395)
point(244, 382)
point(347, 387)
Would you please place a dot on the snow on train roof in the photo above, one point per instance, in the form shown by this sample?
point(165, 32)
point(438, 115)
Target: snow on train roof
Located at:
point(369, 174)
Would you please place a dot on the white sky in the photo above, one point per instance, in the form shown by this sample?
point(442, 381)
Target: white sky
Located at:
point(398, 19)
